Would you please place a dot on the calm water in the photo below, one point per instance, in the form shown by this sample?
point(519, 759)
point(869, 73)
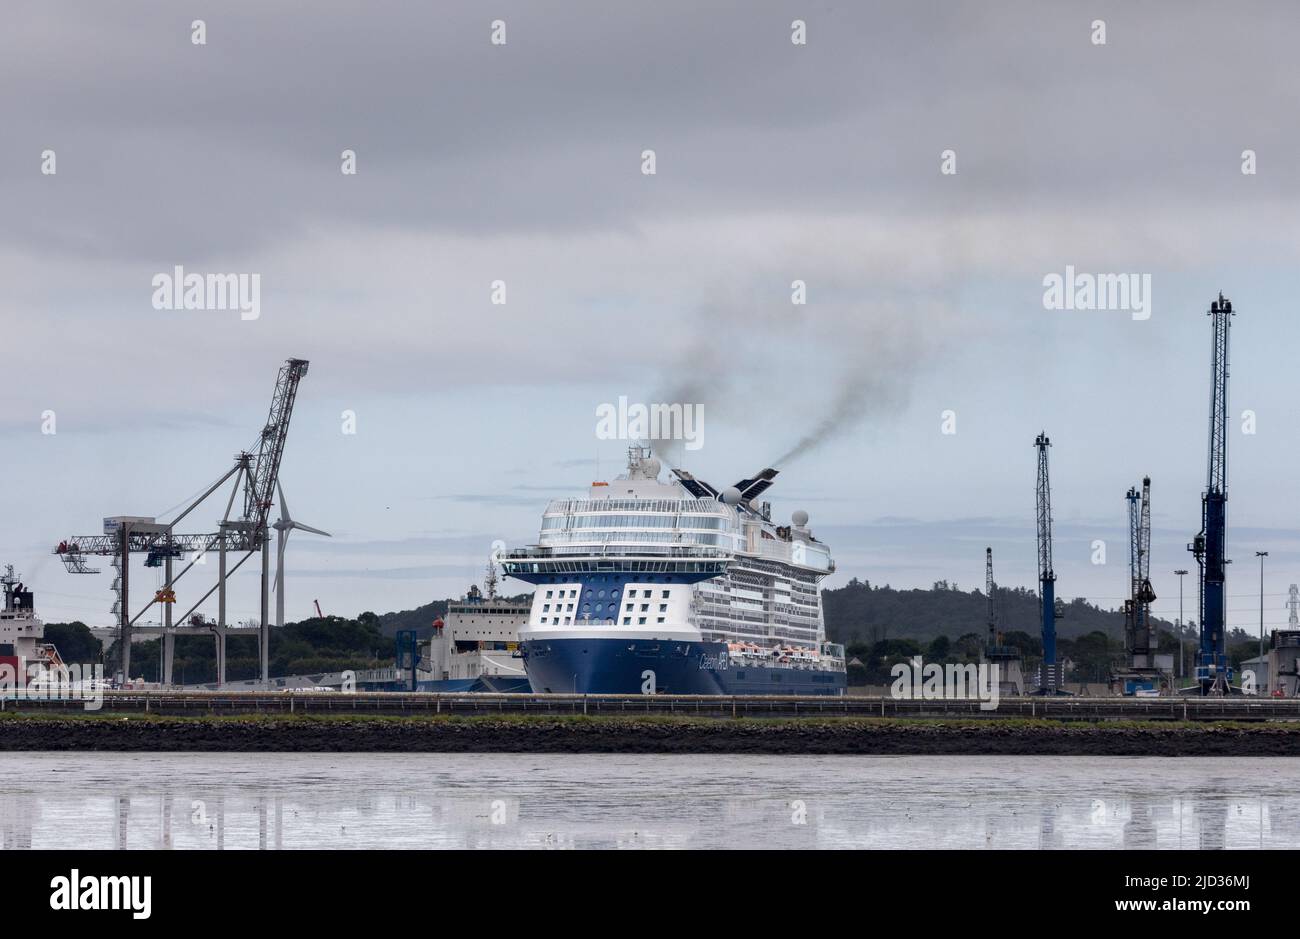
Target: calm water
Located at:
point(212, 801)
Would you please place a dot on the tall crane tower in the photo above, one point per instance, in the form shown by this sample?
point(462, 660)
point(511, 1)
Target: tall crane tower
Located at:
point(990, 589)
point(1050, 675)
point(1213, 673)
point(1140, 671)
point(1007, 659)
point(1141, 594)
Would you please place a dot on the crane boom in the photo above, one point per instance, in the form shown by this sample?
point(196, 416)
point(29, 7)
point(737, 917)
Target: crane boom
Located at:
point(1216, 475)
point(1134, 538)
point(1144, 537)
point(1046, 576)
point(259, 491)
point(1044, 510)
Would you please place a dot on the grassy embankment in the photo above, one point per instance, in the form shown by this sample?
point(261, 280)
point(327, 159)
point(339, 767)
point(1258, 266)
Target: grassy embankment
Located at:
point(509, 733)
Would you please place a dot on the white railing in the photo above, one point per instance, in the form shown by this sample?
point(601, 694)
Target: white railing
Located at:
point(597, 538)
point(606, 549)
point(676, 506)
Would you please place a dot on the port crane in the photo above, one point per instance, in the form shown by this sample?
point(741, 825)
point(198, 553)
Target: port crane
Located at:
point(1213, 674)
point(1049, 682)
point(258, 473)
point(1007, 659)
point(1141, 594)
point(989, 590)
point(1139, 672)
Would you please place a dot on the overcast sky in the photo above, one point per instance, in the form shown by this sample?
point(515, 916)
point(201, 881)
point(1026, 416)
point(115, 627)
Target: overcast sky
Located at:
point(775, 162)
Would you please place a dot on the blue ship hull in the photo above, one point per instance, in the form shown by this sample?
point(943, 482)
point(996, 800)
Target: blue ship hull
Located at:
point(641, 666)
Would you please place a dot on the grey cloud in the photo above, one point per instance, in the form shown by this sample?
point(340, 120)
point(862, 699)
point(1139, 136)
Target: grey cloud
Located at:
point(214, 150)
point(774, 162)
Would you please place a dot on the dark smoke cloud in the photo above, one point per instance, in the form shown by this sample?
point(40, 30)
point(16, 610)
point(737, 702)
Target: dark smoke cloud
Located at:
point(822, 373)
point(857, 399)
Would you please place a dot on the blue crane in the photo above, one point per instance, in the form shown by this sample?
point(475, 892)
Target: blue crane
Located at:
point(1213, 673)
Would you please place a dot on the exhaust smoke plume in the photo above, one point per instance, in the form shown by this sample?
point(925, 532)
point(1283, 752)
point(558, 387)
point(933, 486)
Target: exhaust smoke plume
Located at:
point(857, 398)
point(811, 376)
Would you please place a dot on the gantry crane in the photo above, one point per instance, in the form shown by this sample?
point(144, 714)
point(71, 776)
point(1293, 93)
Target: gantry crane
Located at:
point(127, 535)
point(1213, 673)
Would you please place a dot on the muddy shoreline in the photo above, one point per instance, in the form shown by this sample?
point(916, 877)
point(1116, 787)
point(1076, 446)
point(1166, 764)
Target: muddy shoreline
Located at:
point(621, 735)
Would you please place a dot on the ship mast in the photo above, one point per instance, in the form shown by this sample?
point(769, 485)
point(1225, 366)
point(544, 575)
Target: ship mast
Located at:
point(9, 580)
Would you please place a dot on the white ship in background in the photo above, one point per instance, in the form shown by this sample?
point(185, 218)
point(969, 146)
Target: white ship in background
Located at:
point(676, 587)
point(476, 648)
point(22, 634)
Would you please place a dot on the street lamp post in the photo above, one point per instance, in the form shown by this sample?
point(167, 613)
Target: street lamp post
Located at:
point(1261, 555)
point(1182, 670)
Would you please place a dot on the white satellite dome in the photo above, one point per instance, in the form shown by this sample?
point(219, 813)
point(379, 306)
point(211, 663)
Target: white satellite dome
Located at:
point(731, 495)
point(800, 518)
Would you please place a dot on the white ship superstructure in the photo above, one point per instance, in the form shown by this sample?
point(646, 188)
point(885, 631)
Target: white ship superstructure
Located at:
point(22, 634)
point(477, 646)
point(770, 590)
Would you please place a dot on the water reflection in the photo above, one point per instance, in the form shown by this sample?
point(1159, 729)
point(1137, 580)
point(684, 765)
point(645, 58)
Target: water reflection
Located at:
point(286, 801)
point(1140, 827)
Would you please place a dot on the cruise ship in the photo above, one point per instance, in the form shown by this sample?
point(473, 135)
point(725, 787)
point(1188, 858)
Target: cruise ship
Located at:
point(671, 586)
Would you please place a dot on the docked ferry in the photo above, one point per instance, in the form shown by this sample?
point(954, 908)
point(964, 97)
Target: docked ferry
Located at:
point(673, 587)
point(476, 647)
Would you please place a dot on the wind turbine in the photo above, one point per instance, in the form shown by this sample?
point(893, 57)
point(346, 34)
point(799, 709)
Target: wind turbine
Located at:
point(285, 525)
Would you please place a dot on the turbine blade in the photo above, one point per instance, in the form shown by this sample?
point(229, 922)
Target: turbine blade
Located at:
point(279, 556)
